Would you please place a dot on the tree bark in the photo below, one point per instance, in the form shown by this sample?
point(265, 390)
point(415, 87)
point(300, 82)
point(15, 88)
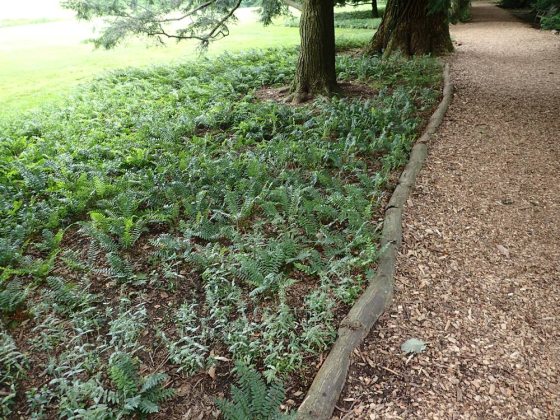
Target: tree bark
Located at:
point(316, 73)
point(374, 9)
point(408, 26)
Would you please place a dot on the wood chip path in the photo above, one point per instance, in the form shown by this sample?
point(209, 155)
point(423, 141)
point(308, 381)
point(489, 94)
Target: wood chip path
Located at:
point(479, 272)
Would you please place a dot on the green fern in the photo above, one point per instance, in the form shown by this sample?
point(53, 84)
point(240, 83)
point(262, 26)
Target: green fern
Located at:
point(263, 269)
point(13, 297)
point(252, 398)
point(124, 374)
point(120, 267)
point(140, 396)
point(238, 206)
point(67, 297)
point(12, 368)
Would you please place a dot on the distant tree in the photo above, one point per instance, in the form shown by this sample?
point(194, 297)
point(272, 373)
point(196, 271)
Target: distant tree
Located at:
point(209, 20)
point(413, 27)
point(374, 7)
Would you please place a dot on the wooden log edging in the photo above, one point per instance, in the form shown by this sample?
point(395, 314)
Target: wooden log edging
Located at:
point(325, 390)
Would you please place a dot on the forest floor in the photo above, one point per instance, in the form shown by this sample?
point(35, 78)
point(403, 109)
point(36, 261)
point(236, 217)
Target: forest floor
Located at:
point(479, 273)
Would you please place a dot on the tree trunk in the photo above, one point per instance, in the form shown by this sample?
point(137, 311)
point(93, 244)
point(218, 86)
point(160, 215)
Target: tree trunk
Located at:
point(408, 26)
point(315, 73)
point(374, 9)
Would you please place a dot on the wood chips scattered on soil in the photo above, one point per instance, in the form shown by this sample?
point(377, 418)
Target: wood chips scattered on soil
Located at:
point(479, 272)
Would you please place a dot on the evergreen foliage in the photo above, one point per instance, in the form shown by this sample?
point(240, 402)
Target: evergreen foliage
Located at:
point(166, 19)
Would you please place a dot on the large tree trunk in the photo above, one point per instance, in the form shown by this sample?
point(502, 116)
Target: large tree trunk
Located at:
point(374, 9)
point(316, 74)
point(409, 27)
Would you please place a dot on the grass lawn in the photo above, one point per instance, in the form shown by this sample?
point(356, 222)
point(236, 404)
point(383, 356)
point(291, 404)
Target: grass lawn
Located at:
point(42, 62)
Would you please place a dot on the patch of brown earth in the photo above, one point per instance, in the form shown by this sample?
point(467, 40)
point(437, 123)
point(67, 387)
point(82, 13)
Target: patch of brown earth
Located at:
point(346, 90)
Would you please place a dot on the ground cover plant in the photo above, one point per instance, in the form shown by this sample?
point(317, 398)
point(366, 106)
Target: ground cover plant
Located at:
point(544, 12)
point(549, 13)
point(165, 224)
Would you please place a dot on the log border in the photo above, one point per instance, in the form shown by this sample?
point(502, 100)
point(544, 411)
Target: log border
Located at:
point(325, 390)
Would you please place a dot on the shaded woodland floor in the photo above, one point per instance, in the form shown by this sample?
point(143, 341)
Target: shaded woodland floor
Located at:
point(479, 273)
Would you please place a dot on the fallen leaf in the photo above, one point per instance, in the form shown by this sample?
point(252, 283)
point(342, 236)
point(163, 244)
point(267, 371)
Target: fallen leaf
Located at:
point(183, 390)
point(413, 345)
point(503, 250)
point(212, 372)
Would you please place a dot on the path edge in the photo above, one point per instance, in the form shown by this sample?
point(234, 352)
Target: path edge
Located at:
point(327, 386)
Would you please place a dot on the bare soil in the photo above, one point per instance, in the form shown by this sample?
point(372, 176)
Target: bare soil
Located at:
point(479, 272)
point(345, 90)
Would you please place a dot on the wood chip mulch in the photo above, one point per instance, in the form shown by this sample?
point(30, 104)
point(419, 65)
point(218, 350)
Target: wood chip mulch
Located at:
point(479, 272)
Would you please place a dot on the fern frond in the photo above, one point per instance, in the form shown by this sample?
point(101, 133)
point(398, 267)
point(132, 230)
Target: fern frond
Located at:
point(13, 296)
point(153, 381)
point(252, 398)
point(123, 373)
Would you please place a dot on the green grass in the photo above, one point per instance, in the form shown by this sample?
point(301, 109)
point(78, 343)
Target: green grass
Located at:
point(357, 19)
point(349, 17)
point(5, 23)
point(163, 221)
point(44, 62)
